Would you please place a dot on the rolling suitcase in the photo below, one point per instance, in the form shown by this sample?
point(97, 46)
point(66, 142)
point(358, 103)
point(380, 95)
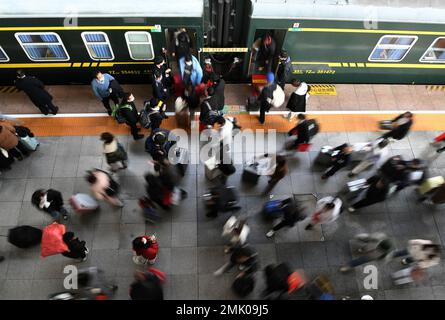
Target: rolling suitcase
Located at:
point(211, 169)
point(273, 209)
point(83, 203)
point(228, 199)
point(24, 236)
point(250, 175)
point(430, 184)
point(324, 157)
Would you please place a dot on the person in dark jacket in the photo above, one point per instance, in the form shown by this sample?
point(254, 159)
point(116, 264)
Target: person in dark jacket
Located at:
point(35, 90)
point(284, 69)
point(147, 286)
point(281, 279)
point(301, 131)
point(266, 53)
point(247, 259)
point(376, 191)
point(77, 248)
point(400, 126)
point(115, 154)
point(129, 112)
point(158, 144)
point(162, 68)
point(192, 99)
point(218, 99)
point(208, 73)
point(298, 99)
point(156, 110)
point(182, 43)
point(281, 170)
point(160, 91)
point(208, 110)
point(266, 96)
point(50, 201)
point(291, 215)
point(341, 158)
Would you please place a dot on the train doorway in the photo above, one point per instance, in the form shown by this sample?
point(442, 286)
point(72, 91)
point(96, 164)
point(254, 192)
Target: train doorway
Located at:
point(176, 40)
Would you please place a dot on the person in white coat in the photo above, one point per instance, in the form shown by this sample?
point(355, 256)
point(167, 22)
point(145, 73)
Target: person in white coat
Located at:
point(236, 231)
point(376, 153)
point(327, 210)
point(424, 253)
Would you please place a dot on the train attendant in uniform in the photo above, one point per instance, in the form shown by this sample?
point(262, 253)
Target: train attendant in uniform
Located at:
point(103, 90)
point(160, 91)
point(35, 90)
point(284, 69)
point(161, 66)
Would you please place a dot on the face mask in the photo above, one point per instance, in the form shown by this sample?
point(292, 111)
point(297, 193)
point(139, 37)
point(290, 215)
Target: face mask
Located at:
point(131, 99)
point(189, 63)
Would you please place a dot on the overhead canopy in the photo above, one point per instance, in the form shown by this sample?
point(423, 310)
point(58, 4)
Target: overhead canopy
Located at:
point(419, 11)
point(101, 8)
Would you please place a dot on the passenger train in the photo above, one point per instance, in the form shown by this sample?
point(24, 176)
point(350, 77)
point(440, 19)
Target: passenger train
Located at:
point(329, 41)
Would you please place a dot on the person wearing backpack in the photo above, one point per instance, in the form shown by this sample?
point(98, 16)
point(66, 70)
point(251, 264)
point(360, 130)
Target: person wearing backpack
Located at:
point(128, 113)
point(115, 153)
point(153, 114)
point(103, 187)
point(298, 99)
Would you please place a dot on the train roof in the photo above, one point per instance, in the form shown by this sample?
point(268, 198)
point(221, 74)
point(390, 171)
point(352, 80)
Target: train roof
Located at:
point(418, 11)
point(101, 8)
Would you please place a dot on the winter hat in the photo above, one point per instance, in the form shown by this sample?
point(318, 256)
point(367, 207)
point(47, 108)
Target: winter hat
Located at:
point(270, 77)
point(158, 59)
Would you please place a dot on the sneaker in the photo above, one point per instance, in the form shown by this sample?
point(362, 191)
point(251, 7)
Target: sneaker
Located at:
point(404, 261)
point(345, 269)
point(351, 209)
point(270, 234)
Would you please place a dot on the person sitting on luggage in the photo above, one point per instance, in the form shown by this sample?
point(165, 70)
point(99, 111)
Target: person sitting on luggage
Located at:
point(400, 126)
point(158, 144)
point(115, 153)
point(190, 69)
point(266, 96)
point(237, 231)
point(377, 154)
point(284, 69)
point(372, 247)
point(341, 157)
point(159, 90)
point(145, 250)
point(291, 215)
point(11, 142)
point(327, 210)
point(245, 257)
point(103, 187)
point(376, 191)
point(298, 99)
point(128, 111)
point(301, 131)
point(76, 248)
point(50, 201)
point(280, 279)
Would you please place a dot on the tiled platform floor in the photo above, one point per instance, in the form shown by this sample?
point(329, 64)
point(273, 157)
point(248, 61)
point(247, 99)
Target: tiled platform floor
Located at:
point(190, 244)
point(80, 99)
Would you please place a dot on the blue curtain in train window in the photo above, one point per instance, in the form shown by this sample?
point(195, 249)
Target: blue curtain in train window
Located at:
point(98, 51)
point(50, 52)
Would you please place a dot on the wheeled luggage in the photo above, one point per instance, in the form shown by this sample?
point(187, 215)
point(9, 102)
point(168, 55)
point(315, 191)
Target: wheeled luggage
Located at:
point(211, 169)
point(224, 198)
point(83, 203)
point(30, 143)
point(273, 209)
point(324, 157)
point(149, 210)
point(250, 175)
point(355, 187)
point(430, 184)
point(24, 236)
point(244, 285)
point(385, 125)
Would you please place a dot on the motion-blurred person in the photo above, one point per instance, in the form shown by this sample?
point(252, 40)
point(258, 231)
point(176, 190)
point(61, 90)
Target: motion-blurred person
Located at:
point(291, 214)
point(399, 126)
point(115, 153)
point(236, 231)
point(266, 96)
point(424, 253)
point(10, 141)
point(104, 187)
point(191, 70)
point(192, 98)
point(145, 249)
point(245, 257)
point(208, 110)
point(376, 191)
point(266, 48)
point(183, 114)
point(372, 247)
point(301, 132)
point(376, 154)
point(153, 114)
point(279, 172)
point(341, 157)
point(298, 99)
point(281, 280)
point(148, 285)
point(104, 90)
point(50, 201)
point(128, 111)
point(327, 210)
point(35, 90)
point(77, 248)
point(284, 68)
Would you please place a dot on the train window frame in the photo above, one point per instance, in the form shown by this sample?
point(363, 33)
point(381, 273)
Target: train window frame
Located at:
point(422, 59)
point(389, 46)
point(24, 45)
point(127, 40)
point(85, 42)
point(4, 53)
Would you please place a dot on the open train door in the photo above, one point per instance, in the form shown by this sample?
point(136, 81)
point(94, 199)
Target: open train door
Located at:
point(170, 40)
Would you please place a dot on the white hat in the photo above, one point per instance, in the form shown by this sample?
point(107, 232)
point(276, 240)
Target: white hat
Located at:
point(302, 89)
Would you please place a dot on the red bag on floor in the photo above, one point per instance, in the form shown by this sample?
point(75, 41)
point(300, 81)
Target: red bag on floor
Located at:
point(52, 240)
point(303, 147)
point(440, 137)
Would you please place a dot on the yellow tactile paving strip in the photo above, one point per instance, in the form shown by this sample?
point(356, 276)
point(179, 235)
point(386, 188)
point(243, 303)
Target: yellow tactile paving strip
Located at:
point(90, 126)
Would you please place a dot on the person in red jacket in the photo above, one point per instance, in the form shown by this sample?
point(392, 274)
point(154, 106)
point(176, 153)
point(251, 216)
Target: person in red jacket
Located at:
point(145, 249)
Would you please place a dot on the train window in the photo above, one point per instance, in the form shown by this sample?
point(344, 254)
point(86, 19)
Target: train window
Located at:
point(43, 46)
point(392, 48)
point(3, 56)
point(139, 45)
point(98, 45)
point(436, 52)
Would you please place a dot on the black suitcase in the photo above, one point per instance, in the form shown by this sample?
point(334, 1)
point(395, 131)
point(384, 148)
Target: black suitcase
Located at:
point(243, 286)
point(324, 157)
point(25, 236)
point(252, 104)
point(250, 175)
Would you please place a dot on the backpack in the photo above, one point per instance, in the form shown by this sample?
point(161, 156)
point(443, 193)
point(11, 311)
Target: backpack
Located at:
point(116, 112)
point(278, 97)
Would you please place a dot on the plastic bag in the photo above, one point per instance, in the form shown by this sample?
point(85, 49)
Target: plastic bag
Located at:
point(52, 240)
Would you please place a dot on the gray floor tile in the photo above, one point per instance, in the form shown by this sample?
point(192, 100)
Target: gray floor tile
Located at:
point(13, 190)
point(184, 261)
point(184, 234)
point(106, 236)
point(66, 167)
point(9, 213)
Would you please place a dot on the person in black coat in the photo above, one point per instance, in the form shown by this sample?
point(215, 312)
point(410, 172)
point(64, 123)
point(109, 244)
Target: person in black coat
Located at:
point(77, 248)
point(159, 89)
point(298, 98)
point(35, 90)
point(148, 286)
point(209, 108)
point(50, 201)
point(284, 69)
point(400, 126)
point(301, 130)
point(340, 159)
point(246, 257)
point(162, 68)
point(129, 112)
point(376, 192)
point(266, 96)
point(266, 53)
point(218, 99)
point(291, 215)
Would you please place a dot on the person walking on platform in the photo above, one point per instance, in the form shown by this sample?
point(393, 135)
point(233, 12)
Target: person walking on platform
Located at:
point(35, 90)
point(114, 152)
point(145, 250)
point(128, 111)
point(399, 126)
point(376, 191)
point(104, 90)
point(327, 210)
point(190, 70)
point(298, 99)
point(377, 153)
point(266, 96)
point(341, 157)
point(284, 68)
point(280, 171)
point(103, 187)
point(291, 215)
point(245, 257)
